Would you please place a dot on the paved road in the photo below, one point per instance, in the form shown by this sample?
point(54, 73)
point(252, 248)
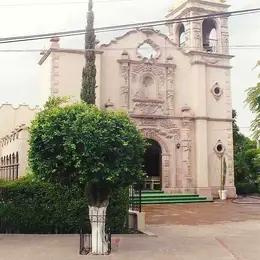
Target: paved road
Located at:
point(227, 239)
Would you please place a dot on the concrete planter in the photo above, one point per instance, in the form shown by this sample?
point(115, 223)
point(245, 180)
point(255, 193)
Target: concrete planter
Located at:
point(222, 194)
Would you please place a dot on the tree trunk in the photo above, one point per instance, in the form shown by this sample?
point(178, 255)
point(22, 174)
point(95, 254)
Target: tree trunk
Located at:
point(97, 216)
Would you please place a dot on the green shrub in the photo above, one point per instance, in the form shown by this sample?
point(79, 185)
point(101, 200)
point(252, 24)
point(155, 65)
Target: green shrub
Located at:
point(32, 206)
point(78, 143)
point(247, 188)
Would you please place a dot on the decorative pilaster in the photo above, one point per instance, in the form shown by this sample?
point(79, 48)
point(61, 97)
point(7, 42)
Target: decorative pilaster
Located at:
point(224, 35)
point(186, 149)
point(166, 170)
point(170, 95)
point(55, 60)
point(125, 80)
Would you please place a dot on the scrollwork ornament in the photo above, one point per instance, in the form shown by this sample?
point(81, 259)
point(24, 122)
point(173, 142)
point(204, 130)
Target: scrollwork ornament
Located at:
point(148, 108)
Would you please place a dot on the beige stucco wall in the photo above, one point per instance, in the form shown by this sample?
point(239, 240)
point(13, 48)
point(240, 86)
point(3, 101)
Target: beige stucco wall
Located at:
point(64, 71)
point(13, 116)
point(45, 80)
point(14, 119)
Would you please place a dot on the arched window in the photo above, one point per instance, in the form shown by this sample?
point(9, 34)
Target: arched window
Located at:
point(209, 32)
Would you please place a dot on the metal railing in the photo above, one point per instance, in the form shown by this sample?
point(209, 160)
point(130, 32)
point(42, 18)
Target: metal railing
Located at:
point(135, 191)
point(210, 45)
point(9, 172)
point(93, 234)
point(135, 197)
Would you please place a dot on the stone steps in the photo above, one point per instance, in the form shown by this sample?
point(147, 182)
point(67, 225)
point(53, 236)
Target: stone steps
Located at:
point(150, 197)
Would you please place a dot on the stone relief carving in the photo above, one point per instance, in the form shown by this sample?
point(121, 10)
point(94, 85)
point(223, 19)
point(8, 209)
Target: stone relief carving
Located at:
point(152, 133)
point(225, 43)
point(125, 95)
point(146, 87)
point(211, 60)
point(150, 68)
point(170, 88)
point(170, 99)
point(151, 80)
point(198, 41)
point(170, 77)
point(170, 30)
point(148, 82)
point(186, 124)
point(168, 124)
point(124, 85)
point(148, 108)
point(148, 122)
point(186, 152)
point(166, 172)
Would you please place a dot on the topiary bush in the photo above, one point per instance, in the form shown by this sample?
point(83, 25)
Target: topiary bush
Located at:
point(31, 206)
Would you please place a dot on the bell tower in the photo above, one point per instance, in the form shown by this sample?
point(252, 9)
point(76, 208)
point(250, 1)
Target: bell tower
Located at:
point(205, 40)
point(209, 34)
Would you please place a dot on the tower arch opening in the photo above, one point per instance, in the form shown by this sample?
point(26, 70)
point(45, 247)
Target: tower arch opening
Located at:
point(181, 35)
point(209, 34)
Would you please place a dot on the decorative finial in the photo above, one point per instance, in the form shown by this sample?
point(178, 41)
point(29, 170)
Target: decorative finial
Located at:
point(55, 42)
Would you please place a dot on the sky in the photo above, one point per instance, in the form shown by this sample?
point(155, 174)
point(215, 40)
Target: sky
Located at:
point(20, 72)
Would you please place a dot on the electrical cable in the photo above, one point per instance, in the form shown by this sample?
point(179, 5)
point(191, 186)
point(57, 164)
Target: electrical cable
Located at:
point(127, 26)
point(235, 47)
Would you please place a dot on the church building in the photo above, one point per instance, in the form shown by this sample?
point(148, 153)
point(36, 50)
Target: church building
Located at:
point(176, 88)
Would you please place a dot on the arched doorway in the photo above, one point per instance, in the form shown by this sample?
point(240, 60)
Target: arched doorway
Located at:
point(153, 165)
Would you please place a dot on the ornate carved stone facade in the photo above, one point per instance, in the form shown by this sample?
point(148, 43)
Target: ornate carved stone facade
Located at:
point(147, 86)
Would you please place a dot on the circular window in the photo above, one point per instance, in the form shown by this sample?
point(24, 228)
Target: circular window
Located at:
point(219, 148)
point(217, 90)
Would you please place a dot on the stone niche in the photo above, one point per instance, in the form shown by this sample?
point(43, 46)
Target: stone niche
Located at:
point(147, 86)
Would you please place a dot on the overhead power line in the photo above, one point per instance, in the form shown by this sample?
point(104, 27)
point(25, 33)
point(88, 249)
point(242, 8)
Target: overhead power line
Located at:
point(126, 26)
point(233, 47)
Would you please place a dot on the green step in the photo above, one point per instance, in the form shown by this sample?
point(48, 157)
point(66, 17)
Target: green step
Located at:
point(167, 195)
point(159, 197)
point(176, 202)
point(168, 199)
point(152, 192)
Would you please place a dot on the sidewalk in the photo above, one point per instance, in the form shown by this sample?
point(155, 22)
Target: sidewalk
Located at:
point(201, 235)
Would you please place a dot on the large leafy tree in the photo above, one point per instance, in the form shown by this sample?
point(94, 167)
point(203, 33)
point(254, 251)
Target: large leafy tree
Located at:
point(89, 71)
point(80, 144)
point(246, 158)
point(253, 101)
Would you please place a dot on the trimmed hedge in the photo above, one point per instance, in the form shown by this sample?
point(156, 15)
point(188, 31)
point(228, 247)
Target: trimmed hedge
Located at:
point(29, 206)
point(245, 188)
